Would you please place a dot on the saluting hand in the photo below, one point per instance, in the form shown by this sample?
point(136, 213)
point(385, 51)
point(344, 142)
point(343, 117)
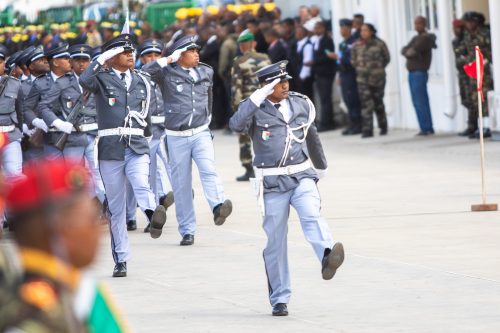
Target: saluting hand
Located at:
point(261, 94)
point(109, 54)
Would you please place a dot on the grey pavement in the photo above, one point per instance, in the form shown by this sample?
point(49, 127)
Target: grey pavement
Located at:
point(417, 259)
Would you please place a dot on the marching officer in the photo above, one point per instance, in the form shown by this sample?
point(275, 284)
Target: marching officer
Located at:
point(57, 105)
point(244, 83)
point(56, 235)
point(11, 97)
point(39, 68)
point(288, 162)
point(187, 94)
point(347, 75)
point(124, 98)
point(150, 50)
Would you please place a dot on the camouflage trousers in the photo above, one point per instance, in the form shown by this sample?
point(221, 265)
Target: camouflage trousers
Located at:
point(474, 104)
point(372, 101)
point(245, 150)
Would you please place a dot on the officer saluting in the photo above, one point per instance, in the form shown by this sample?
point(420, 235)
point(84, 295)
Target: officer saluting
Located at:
point(288, 162)
point(150, 50)
point(57, 105)
point(123, 99)
point(187, 93)
point(11, 97)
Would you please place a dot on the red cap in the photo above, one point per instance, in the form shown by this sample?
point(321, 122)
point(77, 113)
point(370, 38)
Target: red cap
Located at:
point(44, 181)
point(458, 23)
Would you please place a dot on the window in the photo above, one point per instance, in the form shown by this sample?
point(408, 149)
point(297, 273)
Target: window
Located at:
point(426, 8)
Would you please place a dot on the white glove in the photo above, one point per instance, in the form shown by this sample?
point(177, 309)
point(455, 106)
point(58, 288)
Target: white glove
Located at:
point(176, 55)
point(63, 126)
point(27, 131)
point(260, 95)
point(321, 173)
point(109, 54)
point(39, 123)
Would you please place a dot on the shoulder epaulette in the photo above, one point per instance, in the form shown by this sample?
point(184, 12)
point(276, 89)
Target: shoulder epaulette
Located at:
point(294, 93)
point(139, 71)
point(206, 65)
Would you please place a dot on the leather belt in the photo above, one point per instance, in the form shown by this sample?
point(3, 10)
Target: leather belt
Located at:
point(6, 129)
point(157, 120)
point(189, 132)
point(284, 171)
point(120, 131)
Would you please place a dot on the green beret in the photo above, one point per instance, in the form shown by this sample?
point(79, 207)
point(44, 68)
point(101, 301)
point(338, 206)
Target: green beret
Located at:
point(246, 36)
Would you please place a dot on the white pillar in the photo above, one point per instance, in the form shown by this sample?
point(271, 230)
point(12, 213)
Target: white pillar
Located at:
point(494, 100)
point(444, 10)
point(338, 12)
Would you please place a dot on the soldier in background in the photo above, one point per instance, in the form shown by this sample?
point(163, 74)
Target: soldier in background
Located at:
point(243, 83)
point(370, 56)
point(478, 35)
point(41, 285)
point(463, 80)
point(11, 97)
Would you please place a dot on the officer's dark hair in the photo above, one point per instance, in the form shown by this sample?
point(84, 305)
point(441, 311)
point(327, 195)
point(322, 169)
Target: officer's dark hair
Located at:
point(371, 27)
point(227, 25)
point(271, 32)
point(359, 16)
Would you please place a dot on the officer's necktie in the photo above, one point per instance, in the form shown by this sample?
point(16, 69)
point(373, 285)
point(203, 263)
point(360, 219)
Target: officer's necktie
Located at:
point(123, 75)
point(277, 105)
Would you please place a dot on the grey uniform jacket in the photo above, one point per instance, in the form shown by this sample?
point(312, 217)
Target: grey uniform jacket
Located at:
point(11, 107)
point(26, 86)
point(57, 104)
point(158, 129)
point(113, 102)
point(268, 130)
point(187, 103)
point(39, 88)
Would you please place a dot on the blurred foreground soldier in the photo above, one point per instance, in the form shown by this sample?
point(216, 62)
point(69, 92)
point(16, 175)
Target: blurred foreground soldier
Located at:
point(123, 102)
point(288, 162)
point(244, 83)
point(460, 52)
point(370, 56)
point(56, 234)
point(478, 35)
point(11, 98)
point(347, 75)
point(186, 85)
point(159, 171)
point(418, 54)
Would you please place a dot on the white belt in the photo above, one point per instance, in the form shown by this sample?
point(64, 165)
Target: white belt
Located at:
point(120, 131)
point(157, 120)
point(87, 127)
point(257, 183)
point(9, 128)
point(284, 171)
point(189, 132)
point(56, 130)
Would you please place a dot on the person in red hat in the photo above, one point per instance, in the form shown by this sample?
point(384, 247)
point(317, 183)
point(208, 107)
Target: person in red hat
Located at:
point(56, 232)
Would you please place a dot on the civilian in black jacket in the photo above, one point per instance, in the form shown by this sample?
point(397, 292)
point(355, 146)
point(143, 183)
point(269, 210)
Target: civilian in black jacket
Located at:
point(324, 69)
point(277, 50)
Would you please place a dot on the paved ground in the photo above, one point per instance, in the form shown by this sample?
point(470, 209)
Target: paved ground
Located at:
point(417, 259)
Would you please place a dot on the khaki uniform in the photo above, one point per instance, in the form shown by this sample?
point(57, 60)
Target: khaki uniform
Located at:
point(243, 83)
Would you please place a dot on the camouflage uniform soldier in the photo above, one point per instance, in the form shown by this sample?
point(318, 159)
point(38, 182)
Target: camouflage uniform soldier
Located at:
point(478, 35)
point(460, 51)
point(370, 56)
point(244, 83)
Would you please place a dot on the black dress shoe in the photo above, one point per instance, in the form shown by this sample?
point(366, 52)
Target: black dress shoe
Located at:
point(280, 310)
point(120, 270)
point(187, 240)
point(246, 176)
point(367, 134)
point(131, 225)
point(467, 132)
point(332, 260)
point(222, 211)
point(157, 221)
point(347, 131)
point(383, 131)
point(147, 229)
point(486, 134)
point(167, 200)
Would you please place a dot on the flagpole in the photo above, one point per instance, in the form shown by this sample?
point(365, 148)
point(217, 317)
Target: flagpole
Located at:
point(479, 78)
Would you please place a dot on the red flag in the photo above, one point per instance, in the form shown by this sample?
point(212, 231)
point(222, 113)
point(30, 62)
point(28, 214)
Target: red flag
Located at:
point(471, 70)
